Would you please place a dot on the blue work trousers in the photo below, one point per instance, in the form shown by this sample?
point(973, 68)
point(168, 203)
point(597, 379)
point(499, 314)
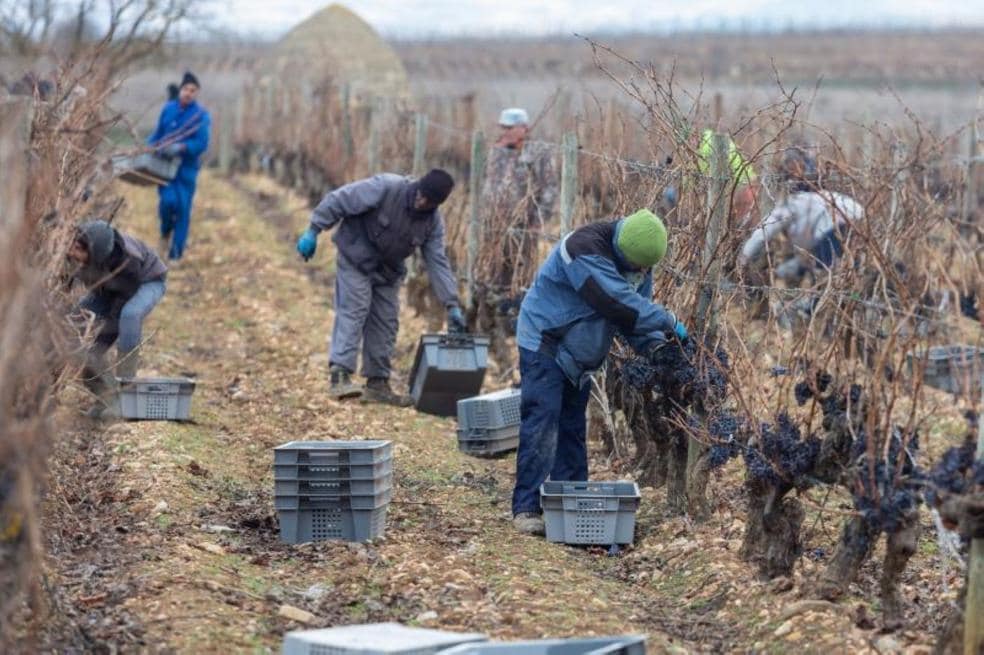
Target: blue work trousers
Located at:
point(552, 434)
point(174, 210)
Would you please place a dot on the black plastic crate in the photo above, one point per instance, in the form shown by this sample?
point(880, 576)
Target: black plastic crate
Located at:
point(447, 368)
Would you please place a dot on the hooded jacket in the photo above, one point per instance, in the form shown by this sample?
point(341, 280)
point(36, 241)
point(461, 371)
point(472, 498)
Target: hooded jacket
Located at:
point(378, 228)
point(130, 264)
point(582, 296)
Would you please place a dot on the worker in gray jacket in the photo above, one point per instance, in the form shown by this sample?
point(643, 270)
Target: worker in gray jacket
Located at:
point(124, 280)
point(381, 221)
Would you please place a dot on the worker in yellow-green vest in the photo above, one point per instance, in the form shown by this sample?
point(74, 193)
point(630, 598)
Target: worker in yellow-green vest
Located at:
point(744, 198)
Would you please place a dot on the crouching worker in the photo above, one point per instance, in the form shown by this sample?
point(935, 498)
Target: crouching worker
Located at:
point(597, 282)
point(124, 281)
point(381, 221)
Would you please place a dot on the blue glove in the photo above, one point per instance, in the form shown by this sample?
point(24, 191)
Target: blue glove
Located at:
point(173, 150)
point(456, 320)
point(307, 244)
point(680, 331)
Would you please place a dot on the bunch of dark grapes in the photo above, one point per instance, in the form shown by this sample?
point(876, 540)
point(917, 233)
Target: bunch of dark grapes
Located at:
point(883, 493)
point(782, 458)
point(728, 434)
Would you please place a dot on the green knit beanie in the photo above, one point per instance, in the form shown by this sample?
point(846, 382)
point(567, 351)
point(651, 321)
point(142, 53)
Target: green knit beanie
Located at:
point(642, 238)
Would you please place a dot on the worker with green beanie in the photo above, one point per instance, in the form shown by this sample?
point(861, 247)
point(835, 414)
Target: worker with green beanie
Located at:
point(597, 282)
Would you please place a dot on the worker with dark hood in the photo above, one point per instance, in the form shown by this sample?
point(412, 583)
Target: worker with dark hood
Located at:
point(124, 280)
point(182, 132)
point(381, 221)
point(596, 283)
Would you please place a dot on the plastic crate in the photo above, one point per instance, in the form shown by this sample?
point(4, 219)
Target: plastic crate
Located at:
point(498, 409)
point(156, 399)
point(333, 453)
point(446, 369)
point(956, 369)
point(333, 471)
point(599, 513)
point(145, 169)
point(374, 639)
point(481, 442)
point(626, 645)
point(293, 487)
point(373, 501)
point(331, 520)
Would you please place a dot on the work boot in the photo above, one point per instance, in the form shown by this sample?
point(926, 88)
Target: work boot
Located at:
point(529, 523)
point(127, 364)
point(378, 391)
point(342, 386)
point(101, 382)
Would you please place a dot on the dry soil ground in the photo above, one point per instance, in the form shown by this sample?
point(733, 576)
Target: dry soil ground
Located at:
point(163, 536)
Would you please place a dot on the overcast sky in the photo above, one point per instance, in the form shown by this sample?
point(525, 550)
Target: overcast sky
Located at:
point(411, 18)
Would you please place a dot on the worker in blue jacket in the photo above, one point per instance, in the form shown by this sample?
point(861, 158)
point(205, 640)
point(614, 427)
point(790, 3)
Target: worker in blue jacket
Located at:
point(182, 132)
point(597, 282)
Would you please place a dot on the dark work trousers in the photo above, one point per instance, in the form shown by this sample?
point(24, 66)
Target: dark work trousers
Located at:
point(830, 247)
point(552, 434)
point(367, 311)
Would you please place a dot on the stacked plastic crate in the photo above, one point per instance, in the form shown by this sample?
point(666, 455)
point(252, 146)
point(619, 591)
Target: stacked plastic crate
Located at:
point(332, 489)
point(489, 424)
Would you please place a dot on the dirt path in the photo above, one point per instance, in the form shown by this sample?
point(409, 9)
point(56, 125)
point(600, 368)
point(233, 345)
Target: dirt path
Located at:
point(205, 572)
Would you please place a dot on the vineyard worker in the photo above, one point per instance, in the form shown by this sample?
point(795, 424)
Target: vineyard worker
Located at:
point(744, 199)
point(814, 219)
point(124, 280)
point(381, 221)
point(182, 132)
point(597, 282)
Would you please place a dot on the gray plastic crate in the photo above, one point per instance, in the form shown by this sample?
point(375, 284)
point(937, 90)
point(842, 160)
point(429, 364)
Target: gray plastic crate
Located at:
point(599, 513)
point(156, 399)
point(145, 169)
point(498, 409)
point(332, 487)
point(956, 369)
point(626, 645)
point(331, 521)
point(333, 471)
point(446, 369)
point(374, 501)
point(374, 639)
point(481, 442)
point(332, 453)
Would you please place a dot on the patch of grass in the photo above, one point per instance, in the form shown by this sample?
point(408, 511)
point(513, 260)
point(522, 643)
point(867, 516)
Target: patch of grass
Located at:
point(163, 521)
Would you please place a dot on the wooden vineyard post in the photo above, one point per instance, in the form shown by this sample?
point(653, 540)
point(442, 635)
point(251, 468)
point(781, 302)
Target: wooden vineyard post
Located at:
point(225, 142)
point(568, 182)
point(474, 215)
point(705, 320)
point(974, 609)
point(372, 156)
point(347, 137)
point(970, 186)
point(419, 144)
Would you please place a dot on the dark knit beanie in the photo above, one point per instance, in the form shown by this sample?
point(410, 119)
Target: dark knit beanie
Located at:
point(436, 186)
point(189, 78)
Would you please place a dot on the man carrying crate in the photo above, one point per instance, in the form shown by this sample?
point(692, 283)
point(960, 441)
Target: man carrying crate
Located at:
point(597, 282)
point(182, 132)
point(382, 220)
point(124, 280)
